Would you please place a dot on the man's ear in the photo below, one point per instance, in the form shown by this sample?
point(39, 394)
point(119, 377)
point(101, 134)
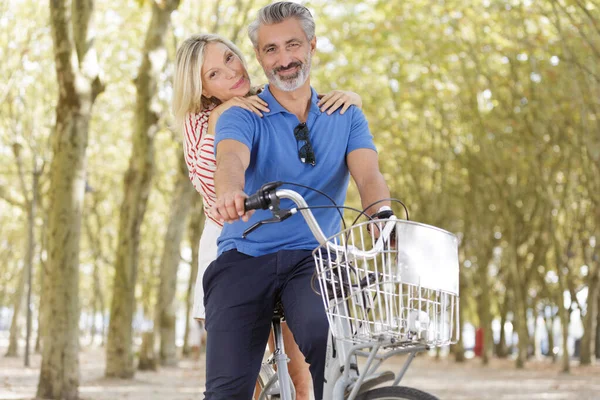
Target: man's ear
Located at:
point(313, 45)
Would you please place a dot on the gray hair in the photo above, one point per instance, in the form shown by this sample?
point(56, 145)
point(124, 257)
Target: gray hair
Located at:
point(279, 12)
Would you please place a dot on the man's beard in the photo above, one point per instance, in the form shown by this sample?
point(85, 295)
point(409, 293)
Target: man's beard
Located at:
point(291, 82)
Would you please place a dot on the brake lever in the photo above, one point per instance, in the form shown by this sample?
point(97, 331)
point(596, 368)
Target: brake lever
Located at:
point(278, 216)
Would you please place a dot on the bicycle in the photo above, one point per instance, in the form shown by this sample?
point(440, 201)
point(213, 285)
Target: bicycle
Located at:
point(385, 296)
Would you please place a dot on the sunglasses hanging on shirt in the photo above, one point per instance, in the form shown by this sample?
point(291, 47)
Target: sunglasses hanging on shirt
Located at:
point(306, 152)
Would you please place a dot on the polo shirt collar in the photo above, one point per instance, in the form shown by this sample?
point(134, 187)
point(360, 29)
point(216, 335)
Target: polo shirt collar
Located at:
point(276, 108)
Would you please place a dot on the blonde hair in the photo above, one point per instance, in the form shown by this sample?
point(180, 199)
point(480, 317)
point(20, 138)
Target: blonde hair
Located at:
point(187, 82)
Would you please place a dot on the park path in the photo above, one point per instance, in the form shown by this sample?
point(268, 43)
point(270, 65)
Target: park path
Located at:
point(447, 380)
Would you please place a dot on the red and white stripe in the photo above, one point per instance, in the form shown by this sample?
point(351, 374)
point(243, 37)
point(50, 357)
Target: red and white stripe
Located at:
point(199, 153)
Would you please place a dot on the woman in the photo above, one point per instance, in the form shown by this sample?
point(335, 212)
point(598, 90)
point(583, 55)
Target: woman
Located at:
point(211, 77)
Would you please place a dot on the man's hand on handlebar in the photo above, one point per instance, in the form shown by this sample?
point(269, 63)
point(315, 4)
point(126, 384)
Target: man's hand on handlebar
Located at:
point(375, 227)
point(230, 207)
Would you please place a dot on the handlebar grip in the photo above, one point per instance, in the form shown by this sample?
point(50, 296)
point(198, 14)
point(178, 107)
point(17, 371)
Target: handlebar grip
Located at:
point(254, 202)
point(262, 198)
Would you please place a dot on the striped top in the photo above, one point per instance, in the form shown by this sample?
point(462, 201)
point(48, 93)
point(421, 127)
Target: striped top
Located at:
point(199, 153)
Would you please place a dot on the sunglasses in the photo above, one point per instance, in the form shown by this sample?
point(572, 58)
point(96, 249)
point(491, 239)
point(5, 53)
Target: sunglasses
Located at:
point(306, 152)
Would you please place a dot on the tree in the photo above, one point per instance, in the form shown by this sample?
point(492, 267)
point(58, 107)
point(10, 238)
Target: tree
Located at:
point(166, 307)
point(196, 225)
point(31, 203)
point(79, 81)
point(136, 186)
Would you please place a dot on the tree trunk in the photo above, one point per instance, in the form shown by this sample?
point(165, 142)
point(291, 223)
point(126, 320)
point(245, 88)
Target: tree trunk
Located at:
point(563, 314)
point(79, 85)
point(119, 353)
point(485, 314)
point(2, 296)
point(195, 232)
point(43, 270)
point(148, 359)
point(166, 307)
point(520, 327)
point(532, 339)
point(588, 340)
point(13, 341)
point(459, 348)
point(598, 328)
point(501, 348)
point(147, 355)
point(93, 321)
point(32, 207)
point(520, 317)
point(98, 295)
point(41, 308)
point(25, 280)
point(550, 329)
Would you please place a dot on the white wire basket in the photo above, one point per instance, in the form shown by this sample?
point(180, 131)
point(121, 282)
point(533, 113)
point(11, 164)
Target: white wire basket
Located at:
point(403, 290)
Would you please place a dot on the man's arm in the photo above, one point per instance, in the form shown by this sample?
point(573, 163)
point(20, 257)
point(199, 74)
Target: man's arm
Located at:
point(233, 158)
point(364, 168)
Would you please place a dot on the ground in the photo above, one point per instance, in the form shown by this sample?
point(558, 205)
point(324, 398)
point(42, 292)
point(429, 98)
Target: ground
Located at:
point(444, 378)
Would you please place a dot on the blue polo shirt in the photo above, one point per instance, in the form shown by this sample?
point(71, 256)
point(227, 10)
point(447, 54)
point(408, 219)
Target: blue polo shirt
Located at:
point(274, 157)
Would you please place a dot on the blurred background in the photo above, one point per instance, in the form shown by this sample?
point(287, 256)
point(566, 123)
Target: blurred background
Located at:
point(486, 114)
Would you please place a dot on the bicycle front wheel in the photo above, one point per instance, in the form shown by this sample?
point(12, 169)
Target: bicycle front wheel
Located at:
point(394, 393)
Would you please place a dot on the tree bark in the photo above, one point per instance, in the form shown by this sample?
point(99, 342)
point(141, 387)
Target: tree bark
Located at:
point(166, 307)
point(119, 354)
point(79, 85)
point(195, 232)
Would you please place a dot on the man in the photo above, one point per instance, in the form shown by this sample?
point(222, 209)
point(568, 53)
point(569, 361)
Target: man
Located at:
point(293, 142)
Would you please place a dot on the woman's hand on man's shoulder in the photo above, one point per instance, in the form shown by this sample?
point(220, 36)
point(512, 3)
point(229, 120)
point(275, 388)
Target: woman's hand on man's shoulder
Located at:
point(330, 102)
point(252, 103)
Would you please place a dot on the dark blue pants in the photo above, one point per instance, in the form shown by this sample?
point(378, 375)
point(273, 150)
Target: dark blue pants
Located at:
point(240, 292)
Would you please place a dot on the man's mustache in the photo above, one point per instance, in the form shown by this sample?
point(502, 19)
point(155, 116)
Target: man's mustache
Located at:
point(289, 66)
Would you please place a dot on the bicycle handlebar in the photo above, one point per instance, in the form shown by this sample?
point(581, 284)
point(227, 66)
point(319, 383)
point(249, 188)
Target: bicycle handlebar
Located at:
point(268, 196)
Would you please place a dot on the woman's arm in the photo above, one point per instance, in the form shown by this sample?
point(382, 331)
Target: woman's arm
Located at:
point(339, 98)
